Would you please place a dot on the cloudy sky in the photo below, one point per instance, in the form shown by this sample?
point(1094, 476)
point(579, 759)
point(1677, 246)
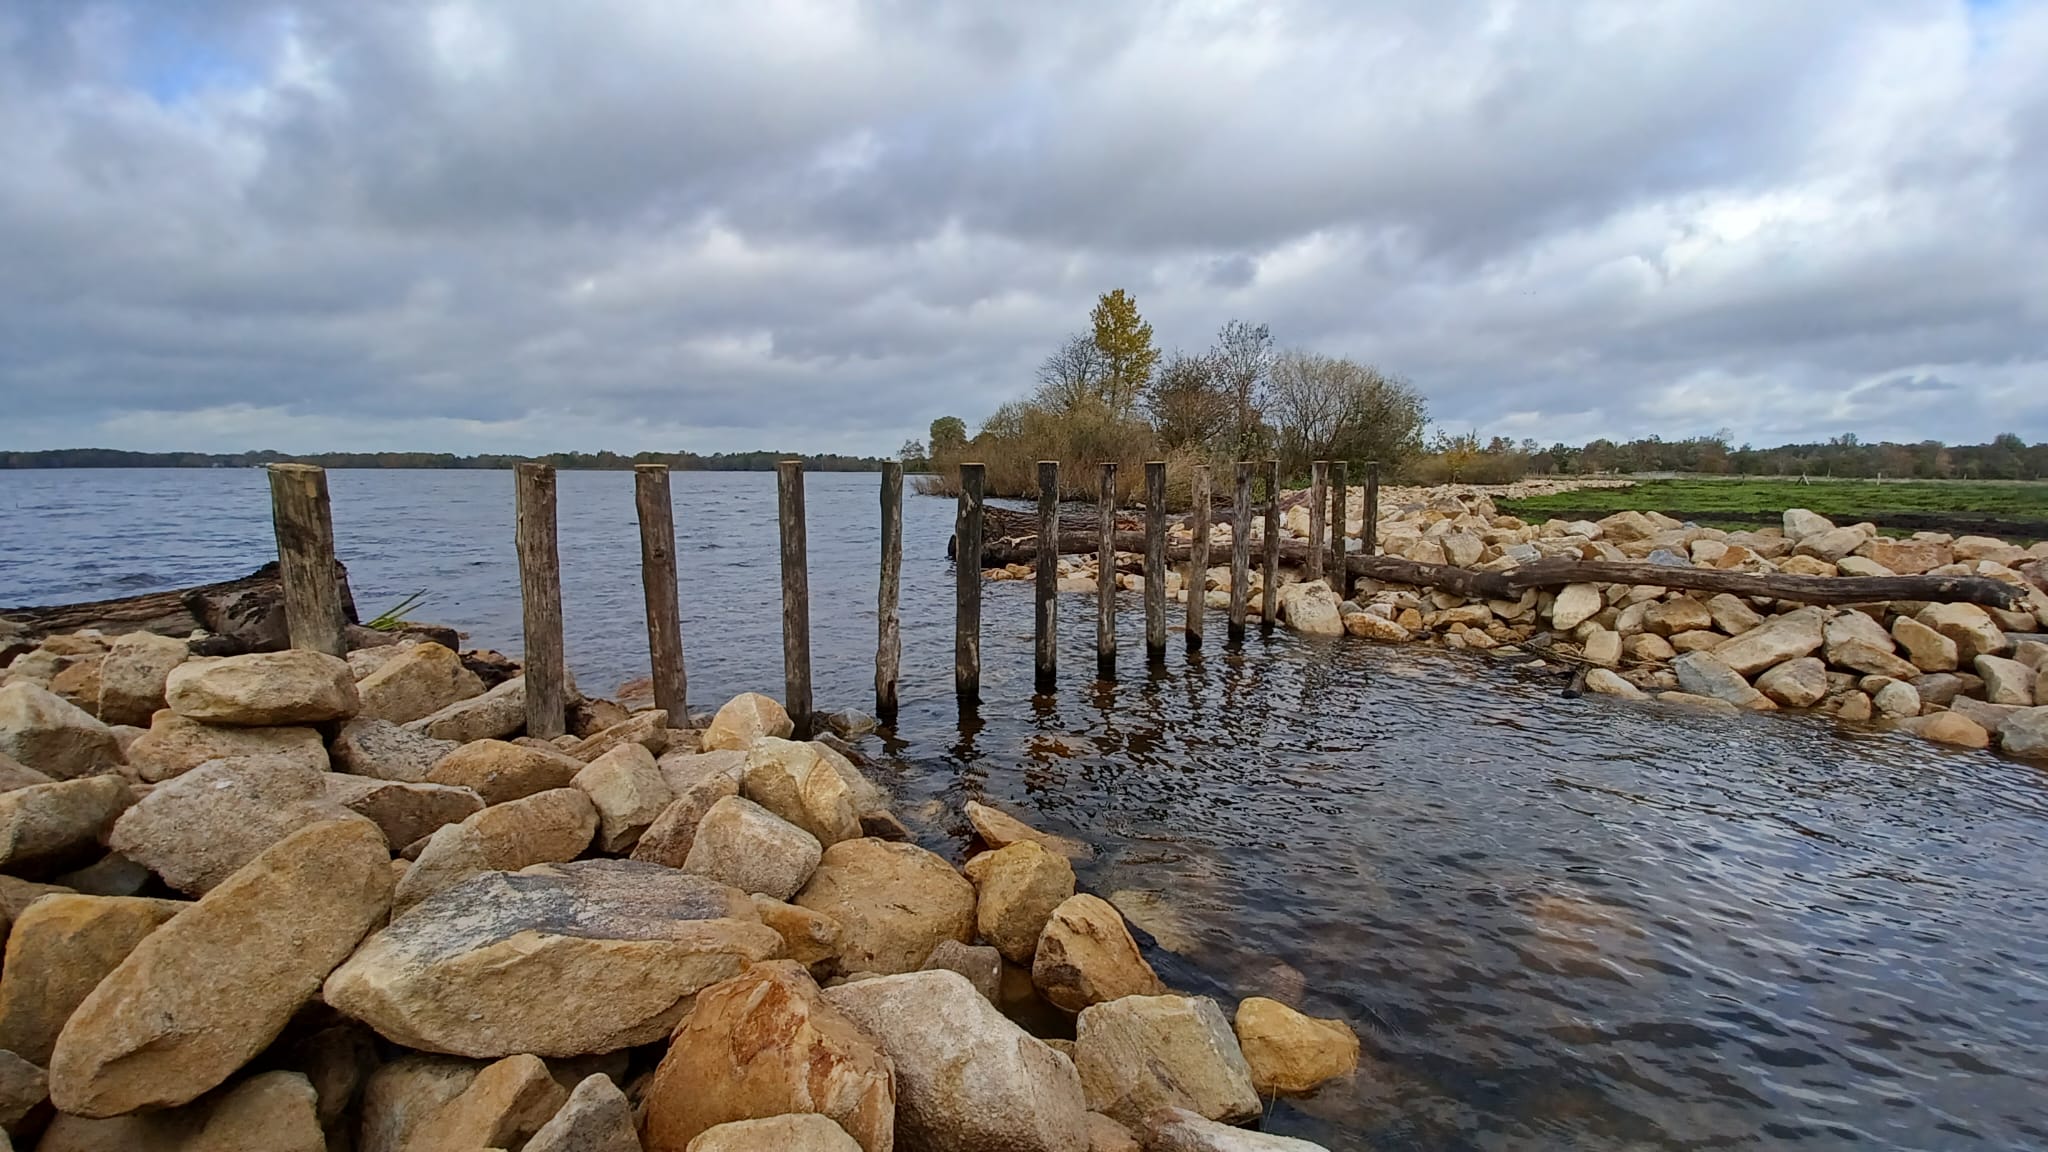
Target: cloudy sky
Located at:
point(525, 226)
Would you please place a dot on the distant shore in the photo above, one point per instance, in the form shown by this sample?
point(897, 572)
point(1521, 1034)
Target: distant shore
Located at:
point(576, 461)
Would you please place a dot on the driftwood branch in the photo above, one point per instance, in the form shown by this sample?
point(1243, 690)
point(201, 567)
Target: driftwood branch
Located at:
point(250, 609)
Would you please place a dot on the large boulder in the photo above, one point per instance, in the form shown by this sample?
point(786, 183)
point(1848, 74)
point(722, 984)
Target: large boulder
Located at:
point(133, 674)
point(14, 774)
point(764, 1044)
point(999, 829)
point(2025, 734)
point(556, 960)
point(216, 983)
point(809, 938)
point(1797, 683)
point(419, 681)
point(263, 689)
point(1777, 640)
point(401, 1097)
point(648, 729)
point(403, 812)
point(744, 719)
point(1087, 956)
point(1575, 604)
point(1681, 614)
point(790, 779)
point(1289, 1052)
point(1832, 545)
point(196, 830)
point(545, 828)
point(1143, 1053)
point(496, 714)
point(60, 824)
point(385, 751)
point(630, 793)
point(1311, 608)
point(1947, 728)
point(499, 770)
point(2006, 681)
point(62, 946)
point(893, 902)
point(1732, 614)
point(1702, 674)
point(1016, 890)
point(669, 839)
point(744, 845)
point(1800, 523)
point(597, 1117)
point(274, 1112)
point(1974, 631)
point(502, 1107)
point(966, 1076)
point(1179, 1130)
point(52, 735)
point(174, 746)
point(795, 1132)
point(1907, 557)
point(1929, 650)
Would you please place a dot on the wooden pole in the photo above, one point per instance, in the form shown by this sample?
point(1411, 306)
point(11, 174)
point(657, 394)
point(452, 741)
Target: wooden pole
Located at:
point(658, 582)
point(1155, 560)
point(1105, 575)
point(796, 596)
point(967, 588)
point(1338, 478)
point(540, 597)
point(1046, 619)
point(304, 523)
point(1369, 534)
point(1197, 585)
point(1269, 603)
point(888, 624)
point(1318, 496)
point(1241, 549)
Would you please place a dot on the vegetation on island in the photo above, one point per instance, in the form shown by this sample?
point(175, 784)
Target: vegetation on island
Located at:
point(2010, 509)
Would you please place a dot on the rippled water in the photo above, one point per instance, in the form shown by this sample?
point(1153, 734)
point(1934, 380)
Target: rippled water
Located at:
point(1556, 923)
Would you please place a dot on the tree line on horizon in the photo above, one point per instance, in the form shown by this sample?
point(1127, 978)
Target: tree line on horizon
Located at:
point(1464, 458)
point(567, 461)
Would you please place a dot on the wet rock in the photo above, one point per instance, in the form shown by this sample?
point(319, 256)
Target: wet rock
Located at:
point(629, 792)
point(132, 676)
point(669, 839)
point(59, 824)
point(174, 746)
point(1702, 674)
point(1143, 1053)
point(1609, 683)
point(555, 960)
point(1947, 728)
point(2025, 734)
point(417, 682)
point(966, 1077)
point(1087, 956)
point(1311, 609)
point(1575, 604)
point(1855, 707)
point(596, 1118)
point(544, 828)
point(1374, 627)
point(2005, 681)
point(500, 771)
point(1179, 1130)
point(403, 812)
point(1017, 889)
point(196, 830)
point(764, 1044)
point(382, 750)
point(505, 1105)
point(744, 719)
point(851, 723)
point(809, 938)
point(791, 780)
point(796, 1132)
point(1289, 1052)
point(647, 729)
point(1896, 699)
point(893, 902)
point(1929, 650)
point(216, 984)
point(1796, 683)
point(1782, 638)
point(741, 844)
point(494, 715)
point(62, 946)
point(1940, 688)
point(982, 965)
point(400, 1097)
point(1974, 632)
point(263, 689)
point(51, 735)
point(999, 829)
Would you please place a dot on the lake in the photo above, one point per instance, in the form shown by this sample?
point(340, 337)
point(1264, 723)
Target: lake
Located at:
point(1555, 922)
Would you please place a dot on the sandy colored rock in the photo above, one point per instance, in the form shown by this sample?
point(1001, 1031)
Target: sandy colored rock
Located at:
point(1800, 523)
point(2026, 734)
point(24, 1088)
point(669, 839)
point(596, 1118)
point(741, 844)
point(1683, 614)
point(966, 1076)
point(196, 830)
point(1777, 640)
point(685, 770)
point(1929, 650)
point(555, 960)
point(1831, 545)
point(796, 1132)
point(1972, 629)
point(1373, 627)
point(1179, 1130)
point(174, 746)
point(60, 949)
point(1701, 641)
point(1087, 956)
point(1907, 557)
point(382, 750)
point(1947, 728)
point(1142, 1053)
point(400, 1097)
point(270, 1112)
point(337, 1060)
point(79, 685)
point(505, 1105)
point(629, 791)
point(545, 828)
point(1701, 674)
point(1855, 707)
point(1732, 614)
point(893, 903)
point(866, 795)
point(1016, 890)
point(59, 824)
point(14, 774)
point(790, 779)
point(1602, 647)
point(51, 735)
point(217, 983)
point(263, 689)
point(1796, 683)
point(498, 713)
point(981, 964)
point(1896, 699)
point(1575, 604)
point(763, 1044)
point(1310, 608)
point(500, 771)
point(2005, 682)
point(1291, 1053)
point(132, 676)
point(809, 938)
point(647, 729)
point(418, 682)
point(744, 719)
point(999, 829)
point(403, 812)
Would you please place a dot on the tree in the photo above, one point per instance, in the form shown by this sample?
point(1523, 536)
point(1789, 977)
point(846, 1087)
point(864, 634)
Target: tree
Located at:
point(1188, 408)
point(1328, 408)
point(1243, 363)
point(1125, 341)
point(913, 455)
point(1073, 375)
point(948, 435)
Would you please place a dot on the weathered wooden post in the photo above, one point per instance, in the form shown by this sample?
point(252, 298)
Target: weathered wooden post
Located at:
point(1155, 560)
point(1338, 483)
point(1046, 620)
point(540, 598)
point(1197, 586)
point(796, 596)
point(1269, 603)
point(967, 587)
point(304, 522)
point(1105, 575)
point(1241, 549)
point(888, 623)
point(658, 584)
point(1318, 496)
point(1369, 540)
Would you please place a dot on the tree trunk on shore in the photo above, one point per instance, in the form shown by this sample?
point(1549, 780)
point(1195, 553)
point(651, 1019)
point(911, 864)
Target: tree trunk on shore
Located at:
point(249, 610)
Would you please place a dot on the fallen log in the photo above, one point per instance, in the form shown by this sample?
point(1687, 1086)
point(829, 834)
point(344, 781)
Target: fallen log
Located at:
point(248, 611)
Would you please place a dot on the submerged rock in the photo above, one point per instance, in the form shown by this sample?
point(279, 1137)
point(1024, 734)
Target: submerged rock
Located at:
point(1289, 1052)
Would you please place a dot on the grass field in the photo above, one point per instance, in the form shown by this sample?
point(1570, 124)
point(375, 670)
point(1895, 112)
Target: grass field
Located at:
point(2009, 509)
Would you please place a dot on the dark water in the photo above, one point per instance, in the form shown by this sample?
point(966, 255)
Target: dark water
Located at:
point(1556, 923)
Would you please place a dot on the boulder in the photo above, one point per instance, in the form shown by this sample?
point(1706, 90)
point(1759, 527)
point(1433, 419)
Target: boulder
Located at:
point(111, 875)
point(555, 960)
point(1311, 609)
point(1647, 648)
point(999, 829)
point(764, 1044)
point(1974, 631)
point(263, 689)
point(384, 751)
point(1602, 647)
point(685, 770)
point(1797, 683)
point(669, 839)
point(500, 771)
point(1800, 523)
point(1850, 627)
point(1087, 956)
point(24, 1089)
point(418, 682)
point(216, 983)
point(1896, 699)
point(1855, 707)
point(1806, 566)
point(744, 719)
point(1374, 627)
point(133, 674)
point(400, 1097)
point(809, 938)
point(1907, 557)
point(1941, 688)
point(1626, 527)
point(1929, 650)
point(790, 779)
point(1988, 548)
point(270, 1112)
point(174, 746)
point(1017, 889)
point(337, 1059)
point(1732, 614)
point(1142, 1053)
point(1831, 545)
point(1699, 641)
point(742, 844)
point(502, 1107)
point(1290, 1053)
point(494, 715)
point(629, 792)
point(596, 1118)
point(51, 735)
point(1179, 1130)
point(966, 1076)
point(980, 963)
point(1947, 728)
point(79, 685)
point(1782, 638)
point(60, 949)
point(893, 902)
point(1607, 682)
point(796, 1132)
point(1575, 604)
point(544, 828)
point(1702, 674)
point(647, 729)
point(196, 830)
point(1679, 614)
point(14, 774)
point(867, 796)
point(2005, 682)
point(59, 824)
point(403, 812)
point(2025, 734)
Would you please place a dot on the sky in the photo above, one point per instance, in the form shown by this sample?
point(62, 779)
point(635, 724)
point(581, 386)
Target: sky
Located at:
point(816, 225)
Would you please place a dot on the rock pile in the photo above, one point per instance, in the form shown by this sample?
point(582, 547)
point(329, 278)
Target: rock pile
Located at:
point(320, 904)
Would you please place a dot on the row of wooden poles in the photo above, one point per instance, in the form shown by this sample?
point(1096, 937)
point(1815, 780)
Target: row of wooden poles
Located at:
point(302, 515)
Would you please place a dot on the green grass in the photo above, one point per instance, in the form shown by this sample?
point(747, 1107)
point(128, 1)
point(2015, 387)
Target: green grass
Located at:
point(1749, 502)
